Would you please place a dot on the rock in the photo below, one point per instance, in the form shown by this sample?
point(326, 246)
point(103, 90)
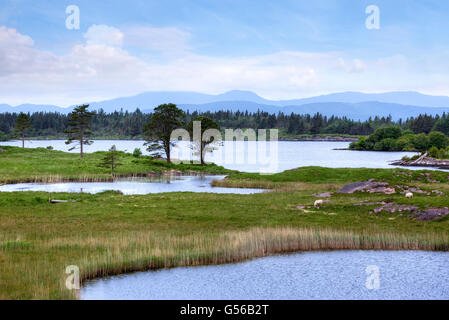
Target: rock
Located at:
point(427, 174)
point(300, 207)
point(432, 214)
point(369, 203)
point(388, 190)
point(394, 207)
point(426, 215)
point(367, 186)
point(323, 195)
point(438, 192)
point(415, 190)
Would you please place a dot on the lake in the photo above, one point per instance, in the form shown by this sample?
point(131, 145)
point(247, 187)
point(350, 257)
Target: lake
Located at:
point(134, 186)
point(378, 275)
point(255, 156)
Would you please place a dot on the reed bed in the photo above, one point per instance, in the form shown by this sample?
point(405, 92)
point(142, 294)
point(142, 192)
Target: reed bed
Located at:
point(101, 256)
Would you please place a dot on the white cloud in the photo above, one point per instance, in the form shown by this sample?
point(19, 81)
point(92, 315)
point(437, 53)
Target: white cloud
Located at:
point(102, 68)
point(103, 35)
point(168, 39)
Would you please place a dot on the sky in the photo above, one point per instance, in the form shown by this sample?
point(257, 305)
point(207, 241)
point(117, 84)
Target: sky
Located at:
point(277, 49)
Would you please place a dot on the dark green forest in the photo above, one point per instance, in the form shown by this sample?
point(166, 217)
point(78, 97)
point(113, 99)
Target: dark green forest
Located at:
point(121, 124)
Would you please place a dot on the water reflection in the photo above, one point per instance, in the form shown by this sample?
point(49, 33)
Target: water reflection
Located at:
point(141, 186)
point(311, 275)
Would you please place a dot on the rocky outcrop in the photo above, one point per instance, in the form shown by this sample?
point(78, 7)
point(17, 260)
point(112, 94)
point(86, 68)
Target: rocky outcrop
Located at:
point(424, 215)
point(423, 161)
point(432, 214)
point(367, 186)
point(394, 207)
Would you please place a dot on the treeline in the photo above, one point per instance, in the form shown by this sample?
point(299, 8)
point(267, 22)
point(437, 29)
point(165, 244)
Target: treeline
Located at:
point(131, 124)
point(396, 139)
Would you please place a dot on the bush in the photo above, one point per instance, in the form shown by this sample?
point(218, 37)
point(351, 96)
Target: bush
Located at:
point(421, 142)
point(385, 133)
point(137, 153)
point(438, 139)
point(434, 152)
point(388, 144)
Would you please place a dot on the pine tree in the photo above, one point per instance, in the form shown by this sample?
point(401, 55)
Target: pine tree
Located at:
point(111, 159)
point(22, 124)
point(166, 118)
point(79, 128)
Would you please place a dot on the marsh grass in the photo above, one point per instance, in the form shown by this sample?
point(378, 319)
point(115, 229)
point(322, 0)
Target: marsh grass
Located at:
point(100, 256)
point(19, 165)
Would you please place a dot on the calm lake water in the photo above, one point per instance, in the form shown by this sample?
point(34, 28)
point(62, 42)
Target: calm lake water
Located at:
point(252, 156)
point(402, 275)
point(133, 186)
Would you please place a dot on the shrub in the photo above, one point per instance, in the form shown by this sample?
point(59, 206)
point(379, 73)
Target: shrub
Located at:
point(434, 152)
point(421, 142)
point(385, 133)
point(388, 144)
point(137, 153)
point(438, 139)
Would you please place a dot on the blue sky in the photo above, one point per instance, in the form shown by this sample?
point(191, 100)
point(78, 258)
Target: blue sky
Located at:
point(279, 49)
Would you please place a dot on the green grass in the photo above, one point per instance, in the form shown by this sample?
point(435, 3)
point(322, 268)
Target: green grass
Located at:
point(341, 175)
point(40, 164)
point(110, 233)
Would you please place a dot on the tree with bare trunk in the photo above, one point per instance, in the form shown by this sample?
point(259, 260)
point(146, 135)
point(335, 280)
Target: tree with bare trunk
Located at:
point(79, 129)
point(206, 142)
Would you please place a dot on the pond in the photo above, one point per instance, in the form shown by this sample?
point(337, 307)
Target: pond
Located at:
point(134, 186)
point(252, 156)
point(378, 275)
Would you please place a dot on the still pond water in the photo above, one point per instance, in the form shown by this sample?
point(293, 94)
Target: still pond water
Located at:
point(401, 275)
point(133, 186)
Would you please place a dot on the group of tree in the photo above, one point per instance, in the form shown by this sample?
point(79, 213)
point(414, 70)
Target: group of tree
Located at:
point(165, 120)
point(121, 124)
point(395, 139)
point(158, 132)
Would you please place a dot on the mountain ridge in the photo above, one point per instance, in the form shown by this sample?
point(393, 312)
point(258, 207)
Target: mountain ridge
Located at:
point(354, 105)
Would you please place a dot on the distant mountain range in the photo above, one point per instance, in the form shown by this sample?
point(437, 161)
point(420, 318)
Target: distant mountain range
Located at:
point(354, 105)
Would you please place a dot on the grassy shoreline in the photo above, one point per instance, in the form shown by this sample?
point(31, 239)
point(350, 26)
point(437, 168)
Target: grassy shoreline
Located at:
point(19, 165)
point(110, 233)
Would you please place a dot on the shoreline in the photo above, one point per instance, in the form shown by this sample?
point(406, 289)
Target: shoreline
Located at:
point(278, 241)
point(306, 138)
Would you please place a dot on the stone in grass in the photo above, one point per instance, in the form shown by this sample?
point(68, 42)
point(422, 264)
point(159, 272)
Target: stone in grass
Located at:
point(367, 186)
point(432, 214)
point(323, 195)
point(394, 207)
